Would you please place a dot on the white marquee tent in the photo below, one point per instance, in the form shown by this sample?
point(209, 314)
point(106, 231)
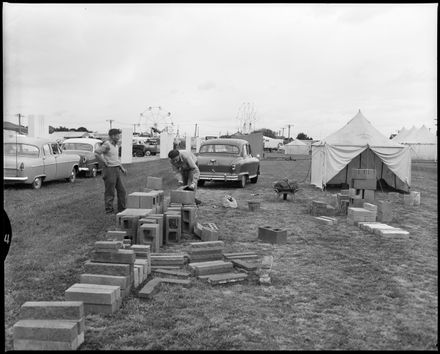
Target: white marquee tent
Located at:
point(359, 145)
point(422, 143)
point(296, 147)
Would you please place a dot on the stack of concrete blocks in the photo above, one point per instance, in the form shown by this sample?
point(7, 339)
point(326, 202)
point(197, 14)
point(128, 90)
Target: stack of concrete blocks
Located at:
point(168, 260)
point(269, 234)
point(364, 182)
point(142, 261)
point(173, 226)
point(149, 235)
point(206, 232)
point(384, 211)
point(49, 325)
point(108, 252)
point(207, 263)
point(412, 199)
point(319, 208)
point(206, 251)
point(384, 230)
point(127, 220)
point(368, 213)
point(247, 262)
point(182, 197)
point(189, 218)
point(96, 298)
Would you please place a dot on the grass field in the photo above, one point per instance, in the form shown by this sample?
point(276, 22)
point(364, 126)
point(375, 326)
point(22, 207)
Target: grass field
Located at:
point(333, 287)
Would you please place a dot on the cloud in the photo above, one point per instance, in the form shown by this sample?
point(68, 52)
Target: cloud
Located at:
point(208, 85)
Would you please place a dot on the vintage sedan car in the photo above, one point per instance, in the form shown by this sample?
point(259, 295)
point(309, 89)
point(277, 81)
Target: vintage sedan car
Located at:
point(34, 160)
point(84, 147)
point(227, 160)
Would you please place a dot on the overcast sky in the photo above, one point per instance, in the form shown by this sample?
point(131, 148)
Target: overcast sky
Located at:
point(215, 65)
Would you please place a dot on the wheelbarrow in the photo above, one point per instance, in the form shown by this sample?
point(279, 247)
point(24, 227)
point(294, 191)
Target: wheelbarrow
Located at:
point(285, 187)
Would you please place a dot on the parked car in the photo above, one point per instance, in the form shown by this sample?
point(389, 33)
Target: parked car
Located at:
point(34, 160)
point(84, 147)
point(227, 160)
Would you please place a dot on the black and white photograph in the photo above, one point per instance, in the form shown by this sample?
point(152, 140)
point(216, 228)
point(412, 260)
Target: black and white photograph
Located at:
point(220, 176)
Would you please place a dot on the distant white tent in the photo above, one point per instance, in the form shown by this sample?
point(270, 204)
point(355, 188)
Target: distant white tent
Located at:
point(271, 143)
point(402, 132)
point(296, 147)
point(359, 145)
point(422, 143)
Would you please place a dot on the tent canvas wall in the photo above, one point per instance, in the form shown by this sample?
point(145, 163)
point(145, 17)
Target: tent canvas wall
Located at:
point(359, 145)
point(296, 147)
point(422, 143)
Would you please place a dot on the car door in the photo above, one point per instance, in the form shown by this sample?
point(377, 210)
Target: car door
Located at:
point(249, 161)
point(49, 162)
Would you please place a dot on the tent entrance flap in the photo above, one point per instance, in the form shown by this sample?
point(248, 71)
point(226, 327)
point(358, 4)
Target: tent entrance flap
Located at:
point(368, 160)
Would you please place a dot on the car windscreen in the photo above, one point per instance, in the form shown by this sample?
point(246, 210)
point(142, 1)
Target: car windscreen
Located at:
point(21, 150)
point(219, 148)
point(78, 146)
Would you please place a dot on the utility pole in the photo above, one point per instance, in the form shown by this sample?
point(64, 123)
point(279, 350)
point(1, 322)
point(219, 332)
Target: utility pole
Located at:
point(289, 132)
point(111, 121)
point(195, 131)
point(19, 123)
point(283, 131)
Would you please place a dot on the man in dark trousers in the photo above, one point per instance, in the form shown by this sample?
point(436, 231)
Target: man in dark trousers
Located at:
point(184, 164)
point(108, 155)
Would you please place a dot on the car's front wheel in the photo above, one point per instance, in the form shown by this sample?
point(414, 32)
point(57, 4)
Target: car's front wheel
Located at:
point(147, 153)
point(242, 181)
point(255, 179)
point(138, 154)
point(37, 183)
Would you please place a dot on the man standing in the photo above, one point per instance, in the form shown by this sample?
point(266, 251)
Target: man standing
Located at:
point(108, 154)
point(184, 164)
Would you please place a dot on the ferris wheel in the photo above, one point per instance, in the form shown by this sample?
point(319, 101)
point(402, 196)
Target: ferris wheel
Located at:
point(246, 117)
point(156, 120)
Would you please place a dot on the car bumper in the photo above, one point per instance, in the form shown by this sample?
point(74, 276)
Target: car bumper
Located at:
point(219, 177)
point(15, 179)
point(83, 169)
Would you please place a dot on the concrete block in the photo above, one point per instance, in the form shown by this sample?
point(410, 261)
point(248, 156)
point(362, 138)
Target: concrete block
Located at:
point(116, 235)
point(101, 279)
point(102, 308)
point(324, 220)
point(52, 310)
point(149, 289)
point(107, 268)
point(206, 245)
point(394, 233)
point(173, 227)
point(269, 234)
point(370, 207)
point(364, 184)
point(183, 197)
point(209, 234)
point(168, 260)
point(144, 264)
point(254, 205)
point(136, 276)
point(132, 212)
point(46, 330)
point(120, 256)
point(172, 273)
point(148, 234)
point(206, 257)
point(103, 246)
point(141, 272)
point(99, 287)
point(394, 197)
point(369, 195)
point(223, 278)
point(244, 265)
point(416, 198)
point(154, 182)
point(214, 267)
point(240, 255)
point(155, 219)
point(44, 345)
point(384, 211)
point(345, 192)
point(91, 295)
